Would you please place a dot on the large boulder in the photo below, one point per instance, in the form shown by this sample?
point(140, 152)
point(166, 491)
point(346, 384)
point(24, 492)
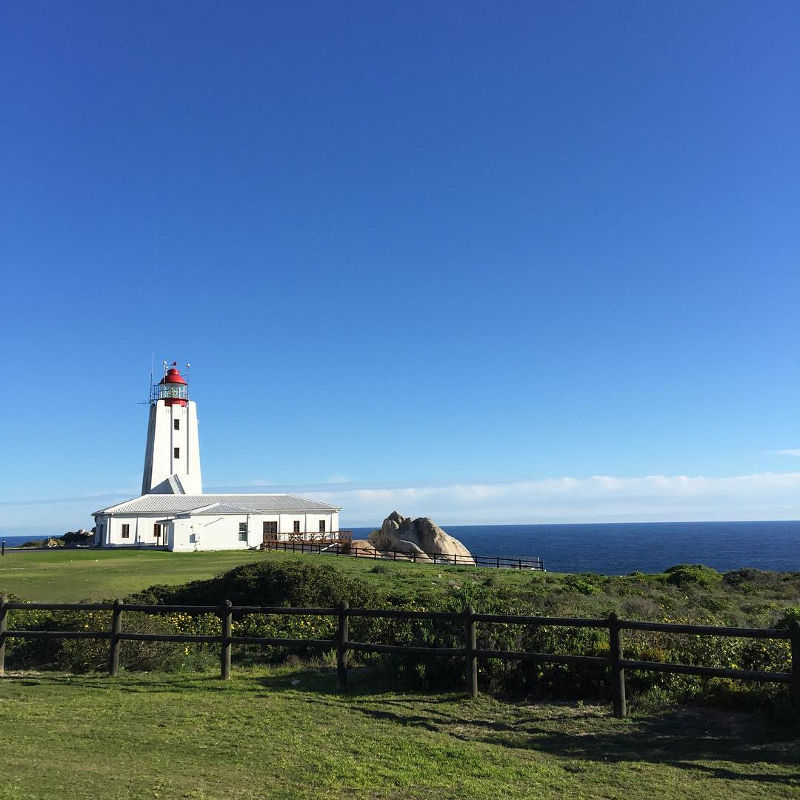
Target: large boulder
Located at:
point(420, 538)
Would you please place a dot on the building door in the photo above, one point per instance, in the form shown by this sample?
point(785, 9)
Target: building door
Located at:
point(270, 532)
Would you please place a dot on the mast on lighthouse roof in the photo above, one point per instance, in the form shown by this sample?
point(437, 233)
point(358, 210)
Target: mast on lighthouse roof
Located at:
point(172, 453)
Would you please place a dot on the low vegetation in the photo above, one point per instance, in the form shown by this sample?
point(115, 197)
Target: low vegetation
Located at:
point(285, 733)
point(686, 593)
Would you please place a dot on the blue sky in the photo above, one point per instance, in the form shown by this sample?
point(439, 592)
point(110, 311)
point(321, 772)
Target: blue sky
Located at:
point(451, 257)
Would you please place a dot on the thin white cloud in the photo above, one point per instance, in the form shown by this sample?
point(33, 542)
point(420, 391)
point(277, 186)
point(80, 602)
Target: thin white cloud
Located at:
point(597, 499)
point(48, 501)
point(337, 477)
point(786, 452)
point(601, 498)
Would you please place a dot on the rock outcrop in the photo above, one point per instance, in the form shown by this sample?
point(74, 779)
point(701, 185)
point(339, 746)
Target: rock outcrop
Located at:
point(420, 538)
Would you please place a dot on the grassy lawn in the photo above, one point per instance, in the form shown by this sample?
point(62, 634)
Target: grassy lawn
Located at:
point(70, 576)
point(285, 733)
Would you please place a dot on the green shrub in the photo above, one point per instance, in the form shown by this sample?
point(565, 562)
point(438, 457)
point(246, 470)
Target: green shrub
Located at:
point(693, 575)
point(298, 583)
point(791, 615)
point(583, 584)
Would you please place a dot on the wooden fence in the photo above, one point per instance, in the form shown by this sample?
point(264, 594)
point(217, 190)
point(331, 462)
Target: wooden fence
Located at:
point(468, 650)
point(445, 559)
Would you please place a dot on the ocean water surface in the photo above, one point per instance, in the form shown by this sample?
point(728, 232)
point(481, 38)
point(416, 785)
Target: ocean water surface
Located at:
point(620, 548)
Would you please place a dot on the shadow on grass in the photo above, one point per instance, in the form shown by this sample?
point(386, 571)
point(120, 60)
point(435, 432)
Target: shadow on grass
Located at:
point(720, 744)
point(319, 680)
point(748, 746)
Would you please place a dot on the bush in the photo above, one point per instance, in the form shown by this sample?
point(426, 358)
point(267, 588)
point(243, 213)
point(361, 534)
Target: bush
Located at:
point(583, 584)
point(791, 615)
point(693, 575)
point(289, 583)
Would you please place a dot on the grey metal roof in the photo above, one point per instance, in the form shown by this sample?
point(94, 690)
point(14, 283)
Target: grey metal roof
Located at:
point(221, 508)
point(236, 503)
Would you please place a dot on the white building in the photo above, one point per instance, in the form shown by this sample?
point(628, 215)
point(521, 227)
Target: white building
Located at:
point(172, 510)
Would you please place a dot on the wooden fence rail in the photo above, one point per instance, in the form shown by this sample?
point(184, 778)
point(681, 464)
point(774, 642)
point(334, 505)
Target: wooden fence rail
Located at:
point(468, 650)
point(443, 559)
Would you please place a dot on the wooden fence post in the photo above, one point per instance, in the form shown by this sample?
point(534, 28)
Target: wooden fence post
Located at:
point(116, 630)
point(226, 616)
point(343, 636)
point(3, 628)
point(794, 636)
point(617, 670)
point(470, 646)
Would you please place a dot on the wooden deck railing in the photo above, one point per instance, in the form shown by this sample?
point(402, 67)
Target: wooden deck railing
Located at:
point(468, 650)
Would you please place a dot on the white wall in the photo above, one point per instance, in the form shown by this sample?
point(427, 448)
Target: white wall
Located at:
point(140, 530)
point(162, 439)
point(207, 531)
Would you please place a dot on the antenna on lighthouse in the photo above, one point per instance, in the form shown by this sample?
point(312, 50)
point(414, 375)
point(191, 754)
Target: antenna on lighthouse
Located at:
point(152, 367)
point(150, 397)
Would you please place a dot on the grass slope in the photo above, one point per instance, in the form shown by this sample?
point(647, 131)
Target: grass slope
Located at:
point(286, 734)
point(71, 576)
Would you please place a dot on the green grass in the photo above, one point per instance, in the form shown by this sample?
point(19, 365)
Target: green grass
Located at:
point(71, 576)
point(263, 736)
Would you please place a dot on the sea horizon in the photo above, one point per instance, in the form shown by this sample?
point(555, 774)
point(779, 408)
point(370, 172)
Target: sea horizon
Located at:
point(617, 548)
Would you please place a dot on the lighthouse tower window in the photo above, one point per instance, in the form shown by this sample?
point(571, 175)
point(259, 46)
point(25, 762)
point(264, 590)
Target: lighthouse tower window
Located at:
point(176, 424)
point(176, 452)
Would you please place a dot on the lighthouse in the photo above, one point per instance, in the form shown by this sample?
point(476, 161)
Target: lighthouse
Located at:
point(173, 513)
point(172, 452)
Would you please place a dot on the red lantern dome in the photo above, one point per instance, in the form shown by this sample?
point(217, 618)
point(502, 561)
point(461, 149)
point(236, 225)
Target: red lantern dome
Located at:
point(172, 388)
point(173, 376)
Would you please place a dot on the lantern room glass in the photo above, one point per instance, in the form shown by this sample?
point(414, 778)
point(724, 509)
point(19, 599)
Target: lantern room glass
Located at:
point(172, 391)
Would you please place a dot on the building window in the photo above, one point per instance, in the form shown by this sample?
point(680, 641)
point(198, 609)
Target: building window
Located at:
point(176, 424)
point(270, 529)
point(126, 530)
point(157, 530)
point(322, 526)
point(242, 531)
point(297, 526)
point(176, 452)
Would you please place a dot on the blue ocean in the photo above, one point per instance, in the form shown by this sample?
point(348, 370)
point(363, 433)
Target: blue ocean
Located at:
point(620, 548)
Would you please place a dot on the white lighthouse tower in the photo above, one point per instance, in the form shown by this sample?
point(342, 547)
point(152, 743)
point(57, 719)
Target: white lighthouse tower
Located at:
point(172, 454)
